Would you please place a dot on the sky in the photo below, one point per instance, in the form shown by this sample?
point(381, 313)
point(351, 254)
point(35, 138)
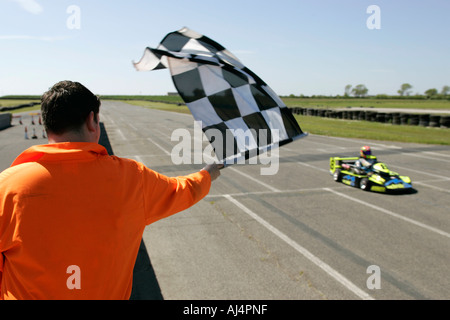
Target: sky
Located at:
point(309, 47)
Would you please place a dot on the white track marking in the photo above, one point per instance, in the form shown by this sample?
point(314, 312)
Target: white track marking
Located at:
point(325, 267)
point(393, 214)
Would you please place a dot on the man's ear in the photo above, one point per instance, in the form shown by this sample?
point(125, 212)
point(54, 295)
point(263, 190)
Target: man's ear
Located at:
point(92, 121)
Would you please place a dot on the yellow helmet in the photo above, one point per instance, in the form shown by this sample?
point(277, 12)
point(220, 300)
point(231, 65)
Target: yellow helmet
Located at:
point(365, 151)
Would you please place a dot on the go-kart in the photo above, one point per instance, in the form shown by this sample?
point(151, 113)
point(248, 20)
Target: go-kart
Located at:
point(377, 178)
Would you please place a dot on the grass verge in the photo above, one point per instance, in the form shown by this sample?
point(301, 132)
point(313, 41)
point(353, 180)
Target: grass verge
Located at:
point(373, 130)
point(159, 106)
point(344, 128)
point(368, 103)
point(317, 125)
point(16, 102)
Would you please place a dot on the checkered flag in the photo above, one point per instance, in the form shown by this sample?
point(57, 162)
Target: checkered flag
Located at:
point(240, 114)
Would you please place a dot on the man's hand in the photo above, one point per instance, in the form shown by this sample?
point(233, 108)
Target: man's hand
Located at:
point(214, 170)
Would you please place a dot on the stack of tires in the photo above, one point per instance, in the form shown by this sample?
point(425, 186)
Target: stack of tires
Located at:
point(5, 120)
point(423, 120)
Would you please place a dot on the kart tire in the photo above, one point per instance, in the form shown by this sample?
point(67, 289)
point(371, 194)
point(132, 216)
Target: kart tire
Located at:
point(337, 175)
point(364, 184)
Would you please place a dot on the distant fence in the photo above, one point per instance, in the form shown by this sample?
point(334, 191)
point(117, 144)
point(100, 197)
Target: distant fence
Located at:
point(424, 120)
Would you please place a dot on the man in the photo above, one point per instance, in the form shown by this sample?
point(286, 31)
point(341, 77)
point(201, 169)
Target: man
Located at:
point(71, 216)
point(364, 163)
point(366, 160)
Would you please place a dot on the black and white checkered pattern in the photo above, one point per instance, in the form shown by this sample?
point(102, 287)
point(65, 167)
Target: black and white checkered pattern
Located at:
point(223, 94)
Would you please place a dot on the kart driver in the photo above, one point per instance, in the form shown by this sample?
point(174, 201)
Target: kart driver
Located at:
point(365, 161)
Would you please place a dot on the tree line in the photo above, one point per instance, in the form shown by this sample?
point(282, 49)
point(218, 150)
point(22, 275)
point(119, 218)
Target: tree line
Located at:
point(405, 91)
point(360, 91)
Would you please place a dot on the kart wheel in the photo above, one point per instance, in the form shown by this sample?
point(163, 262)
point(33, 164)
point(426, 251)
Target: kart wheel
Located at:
point(337, 175)
point(364, 184)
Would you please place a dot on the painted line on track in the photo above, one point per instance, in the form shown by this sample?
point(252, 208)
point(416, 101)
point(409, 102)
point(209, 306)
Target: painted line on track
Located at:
point(307, 254)
point(390, 213)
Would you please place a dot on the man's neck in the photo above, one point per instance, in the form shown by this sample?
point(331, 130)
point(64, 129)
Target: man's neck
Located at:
point(67, 137)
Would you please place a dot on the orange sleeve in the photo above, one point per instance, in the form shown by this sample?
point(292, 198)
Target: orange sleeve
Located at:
point(1, 272)
point(165, 196)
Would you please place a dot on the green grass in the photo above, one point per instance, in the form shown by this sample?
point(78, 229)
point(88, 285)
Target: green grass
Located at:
point(317, 125)
point(16, 102)
point(403, 103)
point(159, 106)
point(373, 130)
point(175, 98)
point(368, 103)
point(345, 128)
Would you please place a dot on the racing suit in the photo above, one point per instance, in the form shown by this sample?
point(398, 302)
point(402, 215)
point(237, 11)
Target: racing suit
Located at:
point(363, 165)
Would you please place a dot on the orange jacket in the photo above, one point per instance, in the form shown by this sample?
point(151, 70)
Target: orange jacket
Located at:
point(72, 218)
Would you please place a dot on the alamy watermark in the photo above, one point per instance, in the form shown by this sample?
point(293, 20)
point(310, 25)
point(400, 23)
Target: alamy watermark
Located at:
point(260, 147)
point(374, 280)
point(74, 280)
point(74, 19)
point(373, 22)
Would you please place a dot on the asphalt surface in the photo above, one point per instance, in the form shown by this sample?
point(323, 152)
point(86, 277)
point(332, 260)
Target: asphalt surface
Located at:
point(296, 234)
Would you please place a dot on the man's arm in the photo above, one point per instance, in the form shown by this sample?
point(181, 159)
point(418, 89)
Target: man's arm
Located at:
point(213, 170)
point(1, 273)
point(165, 196)
point(365, 163)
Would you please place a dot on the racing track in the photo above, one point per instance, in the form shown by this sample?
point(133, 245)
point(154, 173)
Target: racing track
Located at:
point(297, 234)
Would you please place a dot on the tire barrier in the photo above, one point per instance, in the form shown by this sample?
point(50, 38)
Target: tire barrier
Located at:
point(435, 121)
point(404, 118)
point(424, 120)
point(20, 106)
point(380, 117)
point(414, 119)
point(445, 122)
point(396, 118)
point(5, 120)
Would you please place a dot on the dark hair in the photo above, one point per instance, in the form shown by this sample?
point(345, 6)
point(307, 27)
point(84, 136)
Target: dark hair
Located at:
point(66, 106)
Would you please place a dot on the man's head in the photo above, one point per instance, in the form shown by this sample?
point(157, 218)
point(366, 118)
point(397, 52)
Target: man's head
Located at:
point(365, 152)
point(67, 107)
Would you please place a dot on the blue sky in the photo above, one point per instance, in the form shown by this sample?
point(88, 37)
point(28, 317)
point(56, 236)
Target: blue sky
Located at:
point(296, 46)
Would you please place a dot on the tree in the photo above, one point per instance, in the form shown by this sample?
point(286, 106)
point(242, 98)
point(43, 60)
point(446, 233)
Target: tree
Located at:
point(431, 92)
point(360, 91)
point(404, 89)
point(445, 90)
point(347, 90)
